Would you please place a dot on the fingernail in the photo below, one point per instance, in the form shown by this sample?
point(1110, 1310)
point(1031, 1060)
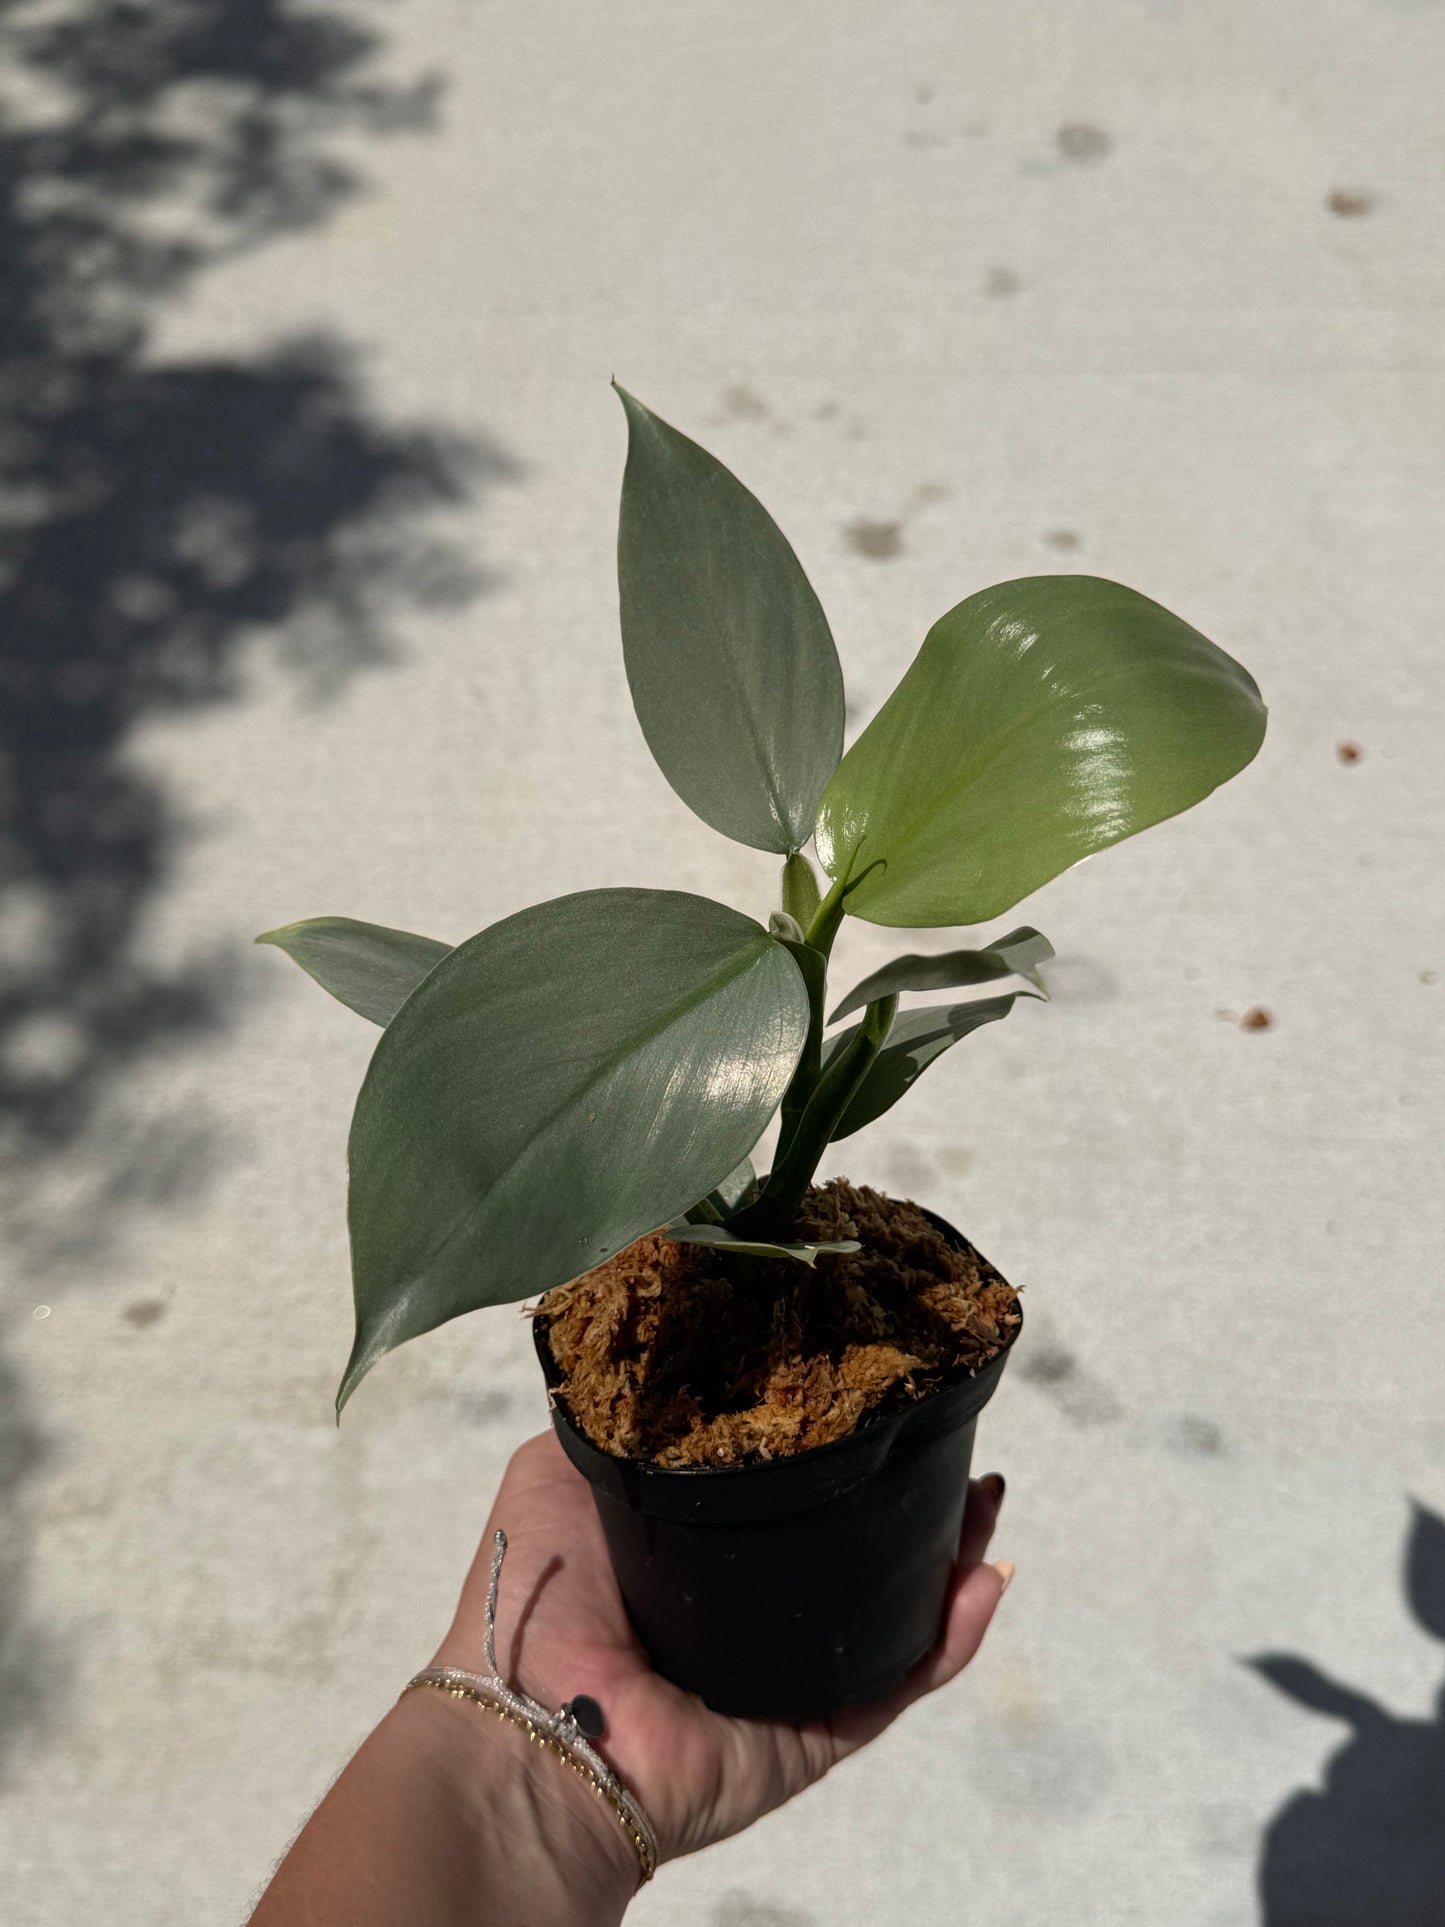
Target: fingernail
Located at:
point(993, 1485)
point(1005, 1570)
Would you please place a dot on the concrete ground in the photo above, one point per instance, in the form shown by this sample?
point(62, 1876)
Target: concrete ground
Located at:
point(312, 475)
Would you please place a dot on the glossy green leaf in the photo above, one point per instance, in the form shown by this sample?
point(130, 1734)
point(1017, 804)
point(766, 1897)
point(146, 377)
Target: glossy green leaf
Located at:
point(1019, 954)
point(571, 1078)
point(1041, 720)
point(717, 1237)
point(371, 969)
point(732, 667)
point(916, 1039)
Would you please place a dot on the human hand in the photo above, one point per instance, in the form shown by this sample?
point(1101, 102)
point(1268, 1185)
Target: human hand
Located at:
point(562, 1630)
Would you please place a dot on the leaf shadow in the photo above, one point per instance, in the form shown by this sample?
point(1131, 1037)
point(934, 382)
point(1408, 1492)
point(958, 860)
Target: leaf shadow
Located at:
point(1370, 1846)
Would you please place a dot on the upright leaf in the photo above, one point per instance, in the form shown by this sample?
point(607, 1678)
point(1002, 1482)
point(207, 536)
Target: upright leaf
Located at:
point(1041, 720)
point(1019, 954)
point(571, 1078)
point(801, 895)
point(732, 667)
point(916, 1039)
point(371, 969)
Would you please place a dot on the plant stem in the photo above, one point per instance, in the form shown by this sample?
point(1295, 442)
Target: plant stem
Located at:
point(814, 968)
point(821, 931)
point(774, 1215)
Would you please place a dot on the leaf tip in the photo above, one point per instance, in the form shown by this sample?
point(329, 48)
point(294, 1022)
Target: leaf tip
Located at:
point(357, 1366)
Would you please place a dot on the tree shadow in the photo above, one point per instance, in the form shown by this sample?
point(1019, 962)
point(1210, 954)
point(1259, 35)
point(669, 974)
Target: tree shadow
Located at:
point(164, 518)
point(159, 516)
point(1371, 1846)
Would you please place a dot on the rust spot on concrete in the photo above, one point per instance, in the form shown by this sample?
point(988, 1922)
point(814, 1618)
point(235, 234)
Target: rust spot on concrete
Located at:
point(1349, 203)
point(1256, 1018)
point(1348, 752)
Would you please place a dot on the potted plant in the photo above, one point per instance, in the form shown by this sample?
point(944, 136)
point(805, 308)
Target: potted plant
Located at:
point(771, 1385)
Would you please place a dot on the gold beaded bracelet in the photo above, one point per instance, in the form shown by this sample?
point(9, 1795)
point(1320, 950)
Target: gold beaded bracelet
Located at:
point(564, 1733)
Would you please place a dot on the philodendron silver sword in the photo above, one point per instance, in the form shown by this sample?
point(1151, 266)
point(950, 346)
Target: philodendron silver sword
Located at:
point(601, 1066)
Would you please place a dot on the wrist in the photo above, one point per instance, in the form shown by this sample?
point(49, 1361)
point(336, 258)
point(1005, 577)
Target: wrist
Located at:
point(539, 1831)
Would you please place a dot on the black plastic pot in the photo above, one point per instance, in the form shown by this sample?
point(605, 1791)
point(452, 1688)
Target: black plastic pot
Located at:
point(793, 1588)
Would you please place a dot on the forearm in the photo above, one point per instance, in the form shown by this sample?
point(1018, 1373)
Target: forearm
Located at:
point(450, 1817)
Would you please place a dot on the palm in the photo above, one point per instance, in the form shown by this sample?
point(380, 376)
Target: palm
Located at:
point(562, 1630)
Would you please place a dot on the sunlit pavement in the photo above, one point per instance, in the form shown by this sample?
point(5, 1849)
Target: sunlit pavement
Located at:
point(315, 612)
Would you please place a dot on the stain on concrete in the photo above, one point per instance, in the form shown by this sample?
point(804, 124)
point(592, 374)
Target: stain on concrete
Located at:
point(1256, 1018)
point(1064, 540)
point(929, 492)
point(485, 1408)
point(1197, 1437)
point(879, 541)
point(1428, 976)
point(1081, 142)
point(909, 1169)
point(1047, 1364)
point(826, 411)
point(1054, 1370)
point(1044, 1761)
point(1350, 203)
point(1000, 283)
point(1348, 752)
point(740, 1909)
point(144, 1313)
point(743, 404)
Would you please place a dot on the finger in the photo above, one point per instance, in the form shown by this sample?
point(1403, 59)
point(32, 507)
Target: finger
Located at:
point(985, 1499)
point(972, 1604)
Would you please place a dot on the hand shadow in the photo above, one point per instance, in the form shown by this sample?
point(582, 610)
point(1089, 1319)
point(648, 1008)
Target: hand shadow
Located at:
point(1370, 1848)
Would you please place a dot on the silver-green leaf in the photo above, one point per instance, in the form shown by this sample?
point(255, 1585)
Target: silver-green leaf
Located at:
point(718, 1238)
point(1019, 954)
point(738, 1188)
point(573, 1077)
point(369, 968)
point(916, 1039)
point(730, 660)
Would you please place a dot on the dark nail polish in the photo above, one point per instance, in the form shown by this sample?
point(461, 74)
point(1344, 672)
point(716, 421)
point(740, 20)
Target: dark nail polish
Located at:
point(993, 1484)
